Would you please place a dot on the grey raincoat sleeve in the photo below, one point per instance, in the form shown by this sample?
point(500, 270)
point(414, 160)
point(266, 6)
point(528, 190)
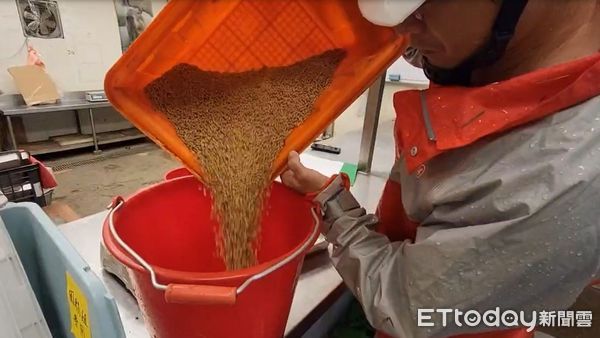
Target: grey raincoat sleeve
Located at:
point(511, 222)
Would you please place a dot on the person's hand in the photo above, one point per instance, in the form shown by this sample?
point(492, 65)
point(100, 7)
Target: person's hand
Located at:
point(301, 178)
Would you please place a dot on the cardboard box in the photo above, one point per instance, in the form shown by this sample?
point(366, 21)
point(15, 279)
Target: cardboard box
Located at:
point(34, 84)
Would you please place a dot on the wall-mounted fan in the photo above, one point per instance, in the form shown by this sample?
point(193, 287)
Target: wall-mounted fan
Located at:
point(40, 19)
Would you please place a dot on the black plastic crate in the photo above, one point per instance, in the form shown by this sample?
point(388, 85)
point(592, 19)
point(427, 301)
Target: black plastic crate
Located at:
point(12, 159)
point(22, 184)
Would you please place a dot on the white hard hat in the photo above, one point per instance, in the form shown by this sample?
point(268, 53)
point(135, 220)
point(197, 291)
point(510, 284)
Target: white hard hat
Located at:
point(388, 13)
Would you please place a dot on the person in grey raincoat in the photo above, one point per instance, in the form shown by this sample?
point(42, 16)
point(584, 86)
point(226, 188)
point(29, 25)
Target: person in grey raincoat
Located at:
point(493, 201)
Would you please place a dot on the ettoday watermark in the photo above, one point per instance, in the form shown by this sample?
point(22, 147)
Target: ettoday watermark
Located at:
point(505, 318)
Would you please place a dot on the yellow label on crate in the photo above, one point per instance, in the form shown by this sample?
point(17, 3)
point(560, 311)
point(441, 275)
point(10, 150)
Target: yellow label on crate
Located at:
point(80, 325)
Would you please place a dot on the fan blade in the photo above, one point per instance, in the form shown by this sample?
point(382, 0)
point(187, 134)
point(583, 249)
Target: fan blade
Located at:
point(33, 26)
point(30, 16)
point(33, 9)
point(50, 24)
point(48, 27)
point(46, 15)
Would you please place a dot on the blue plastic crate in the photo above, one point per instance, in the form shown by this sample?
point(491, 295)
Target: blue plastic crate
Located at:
point(48, 259)
point(20, 313)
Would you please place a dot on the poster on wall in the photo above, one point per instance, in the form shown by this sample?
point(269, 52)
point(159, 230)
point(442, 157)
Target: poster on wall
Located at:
point(133, 17)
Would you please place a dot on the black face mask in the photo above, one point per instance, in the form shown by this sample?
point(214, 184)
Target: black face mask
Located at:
point(502, 32)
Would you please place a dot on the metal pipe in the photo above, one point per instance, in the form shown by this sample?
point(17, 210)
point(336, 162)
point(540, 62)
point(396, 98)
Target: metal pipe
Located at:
point(94, 136)
point(11, 133)
point(371, 122)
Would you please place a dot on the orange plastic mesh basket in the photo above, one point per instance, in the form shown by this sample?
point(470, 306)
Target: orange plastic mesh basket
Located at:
point(241, 35)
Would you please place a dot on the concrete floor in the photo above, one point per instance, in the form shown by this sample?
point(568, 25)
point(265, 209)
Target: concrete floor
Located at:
point(91, 181)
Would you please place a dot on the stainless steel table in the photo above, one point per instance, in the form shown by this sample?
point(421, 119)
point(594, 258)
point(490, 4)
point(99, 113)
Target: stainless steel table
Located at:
point(319, 286)
point(13, 106)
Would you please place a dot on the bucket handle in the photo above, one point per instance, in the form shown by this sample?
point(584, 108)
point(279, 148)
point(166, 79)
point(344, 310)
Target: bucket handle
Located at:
point(203, 294)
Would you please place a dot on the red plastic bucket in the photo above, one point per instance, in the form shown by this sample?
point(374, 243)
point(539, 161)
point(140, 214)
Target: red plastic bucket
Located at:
point(165, 236)
point(177, 172)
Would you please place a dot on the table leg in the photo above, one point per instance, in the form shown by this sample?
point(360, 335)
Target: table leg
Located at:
point(11, 133)
point(94, 136)
point(328, 133)
point(369, 134)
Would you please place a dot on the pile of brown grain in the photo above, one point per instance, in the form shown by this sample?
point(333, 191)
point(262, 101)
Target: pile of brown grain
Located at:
point(236, 124)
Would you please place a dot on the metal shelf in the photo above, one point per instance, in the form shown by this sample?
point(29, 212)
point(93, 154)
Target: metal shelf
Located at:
point(48, 147)
point(13, 106)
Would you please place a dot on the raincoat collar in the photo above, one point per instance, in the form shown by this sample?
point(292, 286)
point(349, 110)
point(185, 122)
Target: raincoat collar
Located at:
point(430, 122)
